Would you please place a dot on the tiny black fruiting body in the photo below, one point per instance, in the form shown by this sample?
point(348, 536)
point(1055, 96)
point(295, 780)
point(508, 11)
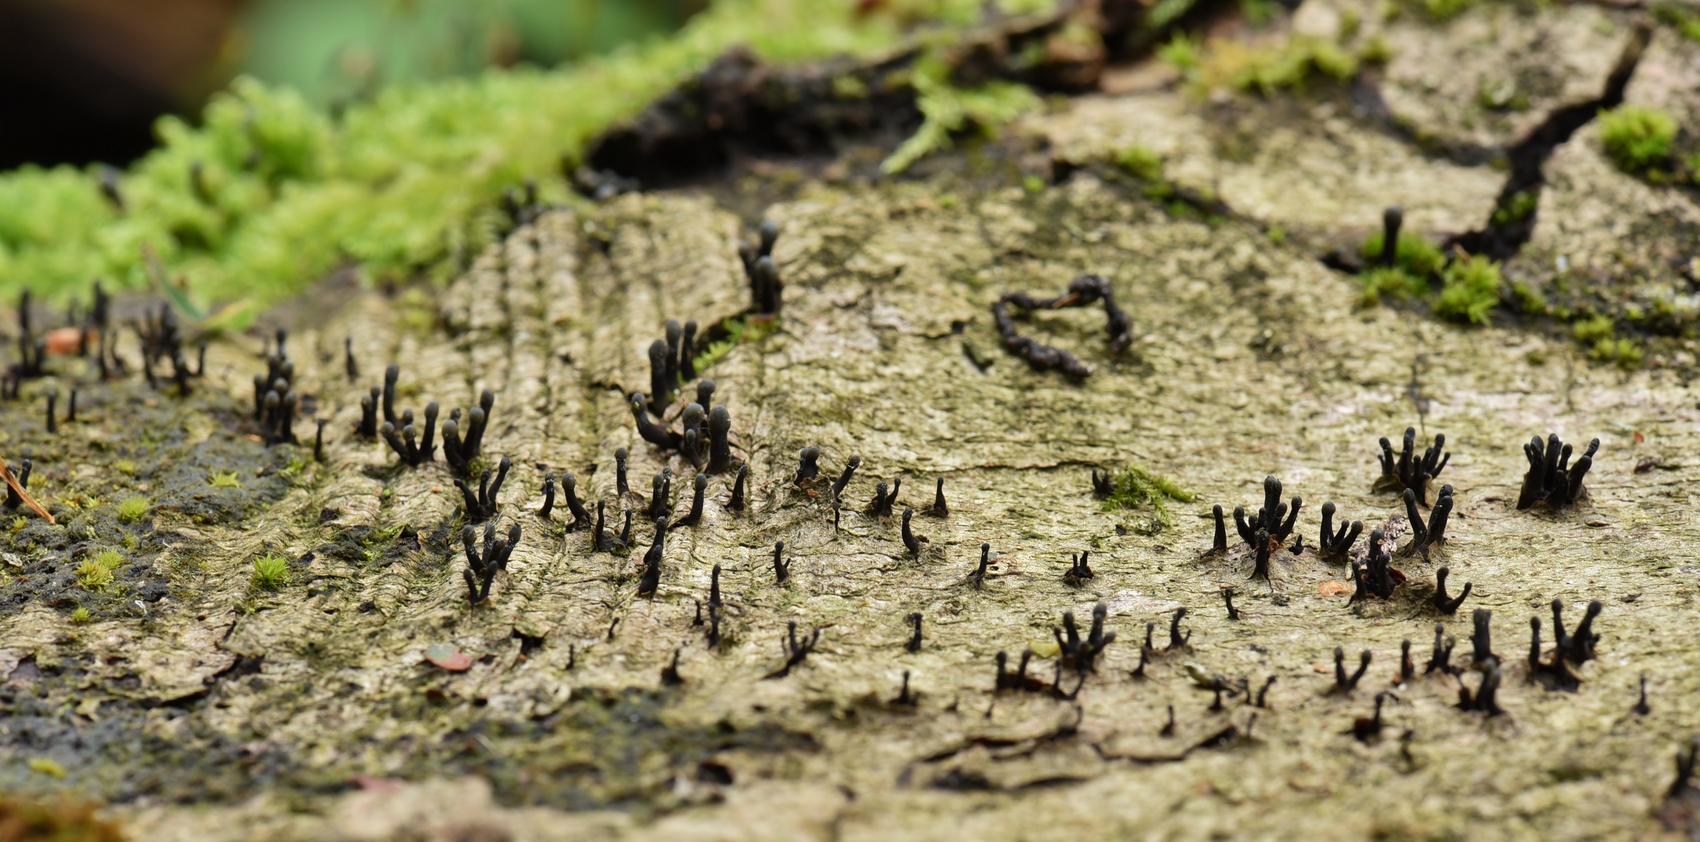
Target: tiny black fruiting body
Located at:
point(1442, 658)
point(620, 485)
point(1079, 568)
point(71, 407)
point(662, 381)
point(660, 492)
point(698, 492)
point(1337, 544)
point(23, 477)
point(548, 496)
point(687, 353)
point(482, 566)
point(1083, 653)
point(939, 508)
point(1443, 602)
point(1481, 640)
point(911, 541)
point(319, 440)
point(1408, 472)
point(1407, 667)
point(600, 540)
point(1391, 220)
point(1375, 575)
point(1263, 692)
point(1342, 682)
point(483, 505)
point(349, 366)
point(52, 423)
point(1275, 517)
point(843, 480)
point(1425, 536)
point(914, 644)
point(1551, 479)
point(808, 465)
point(736, 504)
point(569, 492)
point(1219, 543)
point(1176, 640)
point(1228, 600)
point(675, 341)
point(1484, 698)
point(781, 567)
point(1577, 648)
point(1145, 651)
point(651, 578)
point(1366, 729)
point(796, 649)
point(670, 674)
point(719, 437)
point(1641, 707)
point(979, 577)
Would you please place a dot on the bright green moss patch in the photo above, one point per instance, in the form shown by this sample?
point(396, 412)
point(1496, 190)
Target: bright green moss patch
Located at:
point(1417, 256)
point(1685, 22)
point(270, 572)
point(1469, 290)
point(1296, 65)
point(95, 573)
point(947, 111)
point(1390, 282)
point(1442, 10)
point(1141, 163)
point(267, 193)
point(1638, 139)
point(1134, 487)
point(132, 509)
point(738, 332)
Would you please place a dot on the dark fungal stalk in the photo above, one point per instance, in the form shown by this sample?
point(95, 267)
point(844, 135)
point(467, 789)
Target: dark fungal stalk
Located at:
point(1336, 544)
point(1434, 532)
point(13, 500)
point(483, 505)
point(368, 415)
point(1083, 653)
point(621, 487)
point(979, 575)
point(1391, 220)
point(569, 491)
point(904, 697)
point(705, 391)
point(1556, 674)
point(1408, 472)
point(719, 437)
point(71, 407)
point(939, 508)
point(1442, 658)
point(808, 465)
point(675, 337)
point(1145, 651)
point(1374, 575)
point(1228, 600)
point(52, 421)
point(413, 451)
point(1551, 479)
point(914, 644)
point(879, 504)
point(662, 381)
point(460, 450)
point(1484, 699)
point(349, 366)
point(781, 566)
point(1368, 728)
point(1683, 785)
point(651, 578)
point(699, 490)
point(548, 496)
point(1407, 667)
point(736, 504)
point(1176, 640)
point(1577, 648)
point(686, 360)
point(660, 492)
point(600, 540)
point(796, 649)
point(844, 478)
point(1641, 707)
point(670, 676)
point(319, 439)
point(766, 290)
point(1219, 543)
point(1263, 692)
point(1274, 517)
point(1261, 549)
point(1481, 640)
point(1079, 568)
point(1443, 602)
point(1342, 682)
point(482, 566)
point(911, 541)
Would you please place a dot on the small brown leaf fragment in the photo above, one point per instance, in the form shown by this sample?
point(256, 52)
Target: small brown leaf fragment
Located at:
point(449, 657)
point(1647, 463)
point(1332, 588)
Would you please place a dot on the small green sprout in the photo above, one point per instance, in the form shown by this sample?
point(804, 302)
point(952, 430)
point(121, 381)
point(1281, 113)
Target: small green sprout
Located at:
point(271, 572)
point(224, 479)
point(81, 616)
point(1637, 138)
point(1141, 163)
point(1135, 486)
point(95, 573)
point(132, 509)
point(1593, 329)
point(1469, 290)
point(1417, 256)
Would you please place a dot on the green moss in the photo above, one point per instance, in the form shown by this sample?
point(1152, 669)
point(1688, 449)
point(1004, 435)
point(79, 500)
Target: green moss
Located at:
point(1134, 487)
point(1622, 351)
point(1295, 65)
point(1181, 53)
point(948, 110)
point(738, 332)
point(132, 509)
point(95, 573)
point(1638, 139)
point(1446, 9)
point(1417, 256)
point(1518, 208)
point(271, 572)
point(263, 193)
point(1141, 163)
point(1469, 290)
point(1593, 329)
point(224, 479)
point(1390, 282)
point(1528, 300)
point(81, 616)
point(1685, 22)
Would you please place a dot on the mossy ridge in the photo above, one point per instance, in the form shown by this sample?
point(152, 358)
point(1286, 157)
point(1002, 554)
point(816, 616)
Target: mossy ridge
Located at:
point(1133, 487)
point(269, 193)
